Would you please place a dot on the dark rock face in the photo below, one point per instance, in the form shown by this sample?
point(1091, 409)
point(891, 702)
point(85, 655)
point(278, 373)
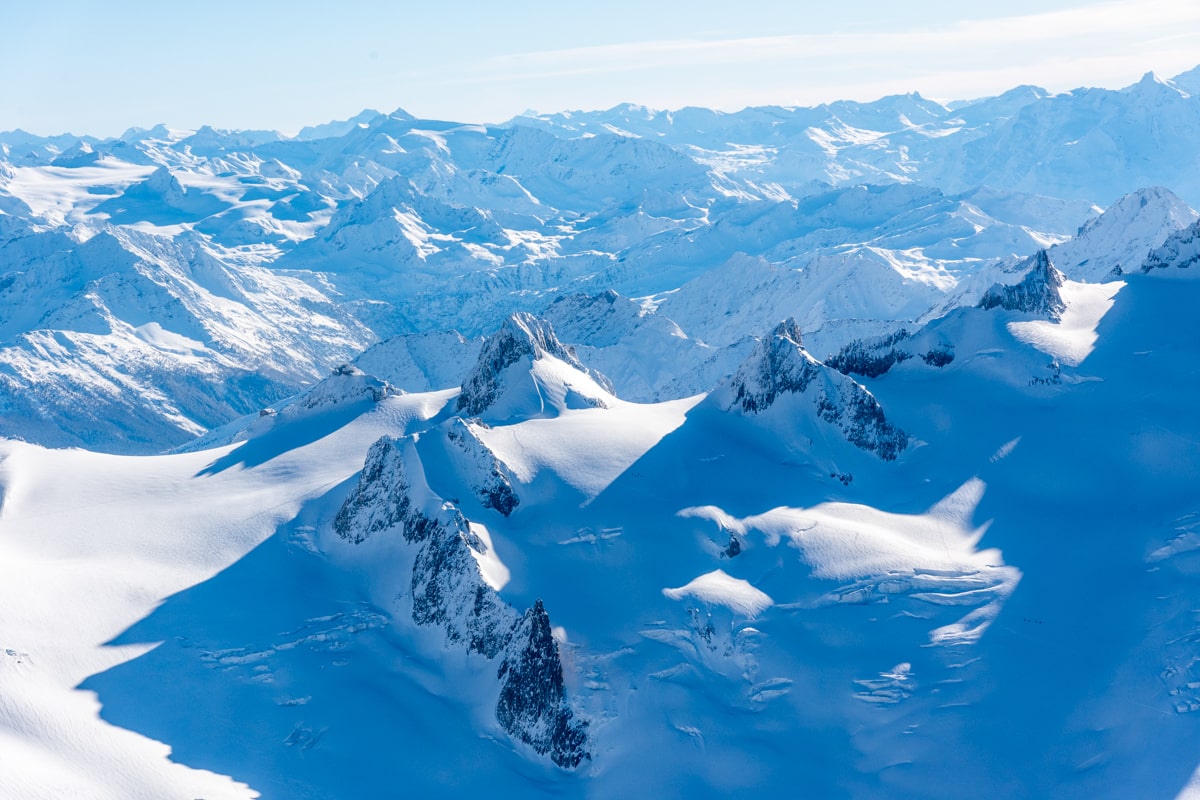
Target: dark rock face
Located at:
point(1037, 293)
point(531, 705)
point(449, 593)
point(380, 500)
point(490, 480)
point(781, 366)
point(521, 335)
point(870, 360)
point(447, 589)
point(1181, 250)
point(939, 356)
point(500, 497)
point(862, 421)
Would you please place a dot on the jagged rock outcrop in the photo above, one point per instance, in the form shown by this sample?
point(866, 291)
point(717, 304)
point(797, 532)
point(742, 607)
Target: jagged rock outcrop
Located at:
point(861, 419)
point(487, 476)
point(347, 384)
point(449, 593)
point(1181, 250)
point(380, 500)
point(871, 359)
point(521, 336)
point(781, 366)
point(447, 588)
point(1037, 293)
point(939, 355)
point(532, 695)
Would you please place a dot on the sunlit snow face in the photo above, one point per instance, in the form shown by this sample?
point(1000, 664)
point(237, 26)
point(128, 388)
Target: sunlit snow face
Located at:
point(930, 556)
point(1071, 339)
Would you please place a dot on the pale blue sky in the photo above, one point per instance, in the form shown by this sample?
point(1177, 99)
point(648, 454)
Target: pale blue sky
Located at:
point(100, 67)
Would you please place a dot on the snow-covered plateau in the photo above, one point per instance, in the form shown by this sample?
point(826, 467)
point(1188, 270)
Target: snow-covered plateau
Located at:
point(846, 451)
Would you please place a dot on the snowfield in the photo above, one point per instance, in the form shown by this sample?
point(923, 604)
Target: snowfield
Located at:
point(1072, 338)
point(93, 543)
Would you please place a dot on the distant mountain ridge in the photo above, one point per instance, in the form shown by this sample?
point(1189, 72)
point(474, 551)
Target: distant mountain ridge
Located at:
point(277, 259)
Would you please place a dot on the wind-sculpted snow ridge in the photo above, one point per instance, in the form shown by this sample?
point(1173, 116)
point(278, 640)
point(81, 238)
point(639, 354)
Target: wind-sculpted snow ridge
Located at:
point(781, 367)
point(880, 634)
point(523, 342)
point(1039, 292)
point(450, 593)
point(881, 556)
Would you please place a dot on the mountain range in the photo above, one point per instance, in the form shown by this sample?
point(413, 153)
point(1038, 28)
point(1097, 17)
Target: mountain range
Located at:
point(847, 449)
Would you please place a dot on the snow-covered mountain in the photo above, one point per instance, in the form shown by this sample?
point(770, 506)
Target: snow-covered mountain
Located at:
point(624, 453)
point(130, 342)
point(574, 602)
point(854, 218)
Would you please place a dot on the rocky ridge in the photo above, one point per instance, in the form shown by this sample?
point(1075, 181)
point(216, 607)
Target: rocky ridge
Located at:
point(1037, 293)
point(781, 367)
point(449, 593)
point(521, 336)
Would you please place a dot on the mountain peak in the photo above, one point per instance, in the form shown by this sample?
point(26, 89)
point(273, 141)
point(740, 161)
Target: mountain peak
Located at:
point(1036, 293)
point(163, 182)
point(788, 330)
point(341, 127)
point(1188, 81)
point(532, 698)
point(1152, 83)
point(1119, 240)
point(780, 367)
point(523, 337)
point(531, 335)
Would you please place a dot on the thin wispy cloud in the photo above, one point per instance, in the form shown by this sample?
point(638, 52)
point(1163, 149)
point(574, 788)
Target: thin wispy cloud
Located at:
point(474, 66)
point(1062, 49)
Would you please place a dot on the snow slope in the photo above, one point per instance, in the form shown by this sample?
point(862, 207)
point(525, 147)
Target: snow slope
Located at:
point(93, 543)
point(767, 621)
